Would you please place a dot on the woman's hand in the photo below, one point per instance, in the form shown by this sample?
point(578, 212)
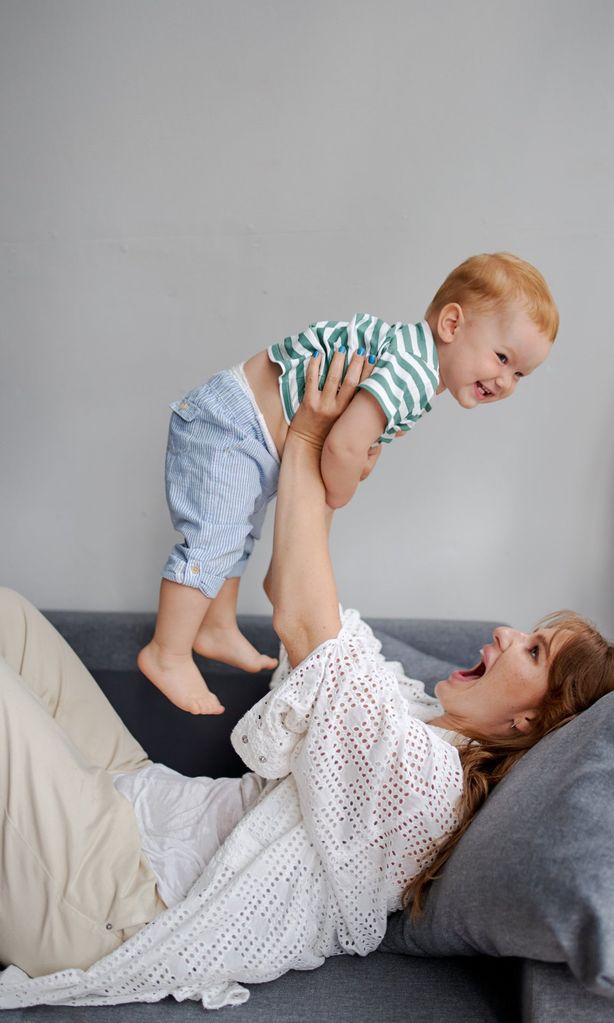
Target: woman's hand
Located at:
point(319, 409)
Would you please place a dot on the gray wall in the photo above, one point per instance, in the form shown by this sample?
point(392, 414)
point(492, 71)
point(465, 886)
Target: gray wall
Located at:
point(185, 181)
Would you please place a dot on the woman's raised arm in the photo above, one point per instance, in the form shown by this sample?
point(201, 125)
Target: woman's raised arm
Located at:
point(302, 587)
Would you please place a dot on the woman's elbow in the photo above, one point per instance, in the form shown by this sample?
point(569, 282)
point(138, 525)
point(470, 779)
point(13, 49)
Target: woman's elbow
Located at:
point(285, 624)
point(294, 635)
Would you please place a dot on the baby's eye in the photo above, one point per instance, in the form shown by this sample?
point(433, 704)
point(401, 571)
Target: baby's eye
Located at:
point(502, 358)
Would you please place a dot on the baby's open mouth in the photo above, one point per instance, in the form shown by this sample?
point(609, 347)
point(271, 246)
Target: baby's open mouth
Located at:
point(483, 390)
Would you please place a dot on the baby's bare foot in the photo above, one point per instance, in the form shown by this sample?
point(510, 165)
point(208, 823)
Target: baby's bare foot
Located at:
point(179, 679)
point(229, 645)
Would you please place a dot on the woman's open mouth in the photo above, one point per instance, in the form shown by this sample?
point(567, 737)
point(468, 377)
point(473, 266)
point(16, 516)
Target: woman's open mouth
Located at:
point(476, 672)
point(470, 674)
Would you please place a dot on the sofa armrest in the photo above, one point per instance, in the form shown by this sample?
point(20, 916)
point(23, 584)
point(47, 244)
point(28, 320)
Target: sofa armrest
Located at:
point(551, 994)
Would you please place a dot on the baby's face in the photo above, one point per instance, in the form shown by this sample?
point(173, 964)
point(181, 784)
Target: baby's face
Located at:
point(489, 353)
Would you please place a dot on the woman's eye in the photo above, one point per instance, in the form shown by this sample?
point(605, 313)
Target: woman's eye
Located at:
point(502, 358)
point(534, 652)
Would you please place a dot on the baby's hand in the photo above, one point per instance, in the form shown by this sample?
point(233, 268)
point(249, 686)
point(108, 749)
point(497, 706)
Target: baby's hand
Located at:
point(372, 456)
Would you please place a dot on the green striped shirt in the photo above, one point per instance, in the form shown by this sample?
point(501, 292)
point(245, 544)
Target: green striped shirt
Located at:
point(404, 378)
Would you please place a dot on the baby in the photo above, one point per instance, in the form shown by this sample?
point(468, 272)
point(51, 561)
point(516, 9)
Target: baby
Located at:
point(491, 322)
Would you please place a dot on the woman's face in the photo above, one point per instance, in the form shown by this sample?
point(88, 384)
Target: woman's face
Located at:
point(501, 695)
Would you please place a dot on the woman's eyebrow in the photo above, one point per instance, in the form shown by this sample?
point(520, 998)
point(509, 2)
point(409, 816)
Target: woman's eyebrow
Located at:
point(544, 643)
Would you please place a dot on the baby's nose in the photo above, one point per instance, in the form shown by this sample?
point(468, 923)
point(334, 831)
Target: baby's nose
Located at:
point(506, 381)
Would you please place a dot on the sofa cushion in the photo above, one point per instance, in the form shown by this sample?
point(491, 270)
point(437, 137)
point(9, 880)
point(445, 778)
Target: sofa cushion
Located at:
point(191, 744)
point(534, 874)
point(346, 989)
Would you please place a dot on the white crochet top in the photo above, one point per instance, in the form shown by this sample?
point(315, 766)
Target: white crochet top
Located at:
point(316, 866)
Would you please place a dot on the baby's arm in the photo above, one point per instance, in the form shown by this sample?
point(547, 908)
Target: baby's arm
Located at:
point(345, 451)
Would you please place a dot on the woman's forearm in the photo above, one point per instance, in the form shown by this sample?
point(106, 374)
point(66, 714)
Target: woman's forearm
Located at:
point(303, 588)
point(341, 469)
point(306, 605)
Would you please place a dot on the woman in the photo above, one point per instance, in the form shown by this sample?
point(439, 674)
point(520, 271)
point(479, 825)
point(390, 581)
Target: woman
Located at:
point(374, 776)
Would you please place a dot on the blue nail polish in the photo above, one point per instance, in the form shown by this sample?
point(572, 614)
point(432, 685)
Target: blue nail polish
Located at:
point(343, 348)
point(360, 351)
point(371, 359)
point(315, 355)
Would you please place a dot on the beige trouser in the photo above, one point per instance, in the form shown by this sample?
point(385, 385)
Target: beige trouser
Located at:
point(74, 882)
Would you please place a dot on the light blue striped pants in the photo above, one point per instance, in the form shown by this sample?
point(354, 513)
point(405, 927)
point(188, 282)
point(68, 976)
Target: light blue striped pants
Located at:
point(220, 477)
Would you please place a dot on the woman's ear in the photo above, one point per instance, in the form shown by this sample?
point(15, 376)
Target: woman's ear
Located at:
point(524, 722)
point(449, 320)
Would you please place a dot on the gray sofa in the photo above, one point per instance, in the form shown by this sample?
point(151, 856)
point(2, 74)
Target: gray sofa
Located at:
point(385, 985)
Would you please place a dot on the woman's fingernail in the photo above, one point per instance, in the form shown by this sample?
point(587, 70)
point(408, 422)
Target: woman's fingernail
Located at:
point(343, 348)
point(315, 355)
point(361, 351)
point(371, 359)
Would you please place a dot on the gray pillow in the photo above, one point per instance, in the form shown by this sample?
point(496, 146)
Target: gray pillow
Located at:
point(534, 874)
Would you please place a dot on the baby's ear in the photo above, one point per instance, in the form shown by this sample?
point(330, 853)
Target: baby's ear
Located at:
point(449, 320)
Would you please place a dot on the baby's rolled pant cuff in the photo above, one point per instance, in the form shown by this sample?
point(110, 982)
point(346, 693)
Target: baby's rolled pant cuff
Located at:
point(191, 572)
point(189, 567)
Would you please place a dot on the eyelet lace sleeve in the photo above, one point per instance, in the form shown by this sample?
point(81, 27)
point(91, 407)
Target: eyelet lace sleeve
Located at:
point(376, 787)
point(422, 705)
point(313, 869)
